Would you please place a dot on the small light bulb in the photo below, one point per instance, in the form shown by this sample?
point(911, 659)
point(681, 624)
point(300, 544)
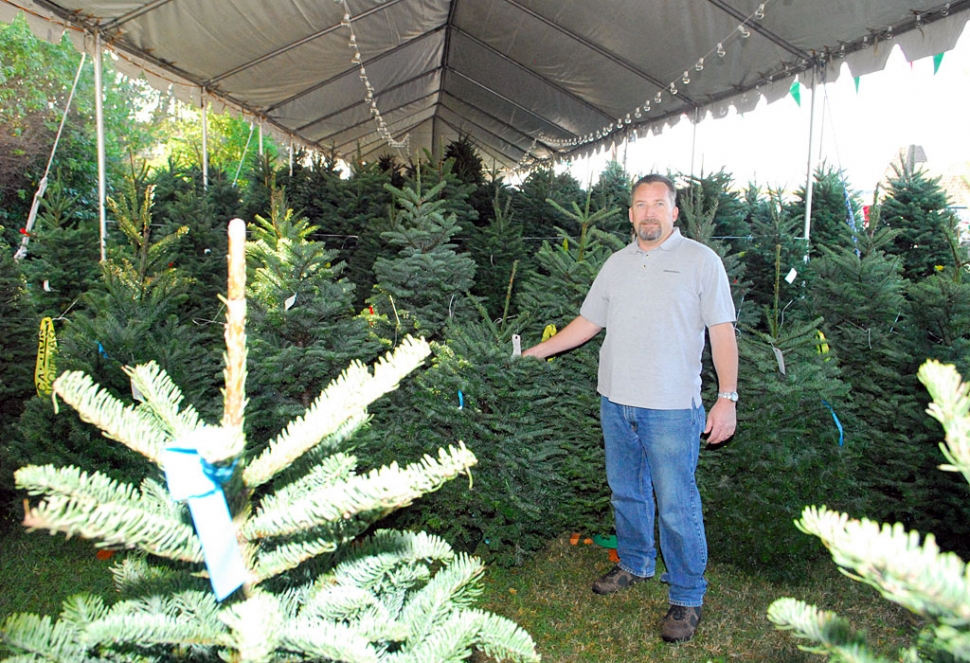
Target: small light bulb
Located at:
point(673, 89)
point(700, 65)
point(686, 78)
point(744, 31)
point(760, 13)
point(720, 50)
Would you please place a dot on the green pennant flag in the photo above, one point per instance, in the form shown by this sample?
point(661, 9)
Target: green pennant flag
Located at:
point(937, 61)
point(857, 79)
point(796, 92)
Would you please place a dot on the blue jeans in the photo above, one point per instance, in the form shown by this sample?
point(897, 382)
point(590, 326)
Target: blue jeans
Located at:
point(648, 453)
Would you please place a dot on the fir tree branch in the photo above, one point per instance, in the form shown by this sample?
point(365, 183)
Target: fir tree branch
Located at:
point(951, 407)
point(163, 398)
point(345, 397)
point(38, 639)
point(96, 507)
point(832, 633)
point(291, 554)
point(328, 641)
point(127, 424)
point(451, 587)
point(331, 470)
point(341, 603)
point(146, 629)
point(502, 639)
point(381, 490)
point(255, 626)
point(134, 576)
point(919, 577)
point(377, 563)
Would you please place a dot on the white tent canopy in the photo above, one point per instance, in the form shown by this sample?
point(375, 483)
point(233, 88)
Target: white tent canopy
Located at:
point(525, 80)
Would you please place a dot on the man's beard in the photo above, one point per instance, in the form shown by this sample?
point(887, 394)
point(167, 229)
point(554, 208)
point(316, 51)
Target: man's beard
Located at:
point(649, 234)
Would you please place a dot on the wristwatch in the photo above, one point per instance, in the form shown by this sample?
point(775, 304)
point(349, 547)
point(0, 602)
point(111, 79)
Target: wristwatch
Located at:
point(730, 395)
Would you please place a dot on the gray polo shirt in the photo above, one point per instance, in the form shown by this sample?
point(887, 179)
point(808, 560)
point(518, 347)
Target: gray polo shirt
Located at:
point(655, 307)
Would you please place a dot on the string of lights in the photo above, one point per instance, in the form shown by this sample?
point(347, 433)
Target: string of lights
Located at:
point(380, 123)
point(742, 31)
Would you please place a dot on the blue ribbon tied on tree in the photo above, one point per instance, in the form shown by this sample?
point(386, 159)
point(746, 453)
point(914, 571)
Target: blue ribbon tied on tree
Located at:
point(190, 477)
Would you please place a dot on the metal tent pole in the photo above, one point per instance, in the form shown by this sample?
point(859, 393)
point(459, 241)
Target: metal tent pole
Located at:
point(810, 176)
point(205, 143)
point(99, 120)
point(693, 140)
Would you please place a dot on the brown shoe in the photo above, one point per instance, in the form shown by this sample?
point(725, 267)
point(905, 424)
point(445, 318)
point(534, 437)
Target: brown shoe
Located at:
point(615, 580)
point(679, 623)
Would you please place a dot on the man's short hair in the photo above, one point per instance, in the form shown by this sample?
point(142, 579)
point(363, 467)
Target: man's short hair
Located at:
point(653, 178)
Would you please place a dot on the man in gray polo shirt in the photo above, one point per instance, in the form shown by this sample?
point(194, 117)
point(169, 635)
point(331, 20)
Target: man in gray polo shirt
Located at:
point(656, 298)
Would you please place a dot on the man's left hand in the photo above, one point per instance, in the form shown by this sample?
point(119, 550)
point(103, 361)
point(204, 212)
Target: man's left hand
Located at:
point(722, 421)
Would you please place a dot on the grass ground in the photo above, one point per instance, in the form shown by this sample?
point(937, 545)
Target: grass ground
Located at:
point(549, 596)
point(39, 571)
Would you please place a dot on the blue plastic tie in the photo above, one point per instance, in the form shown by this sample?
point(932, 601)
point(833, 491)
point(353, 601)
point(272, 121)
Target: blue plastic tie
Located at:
point(838, 424)
point(191, 478)
point(461, 400)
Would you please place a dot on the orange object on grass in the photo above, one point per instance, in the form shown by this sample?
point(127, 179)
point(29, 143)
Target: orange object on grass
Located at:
point(613, 556)
point(105, 554)
point(574, 538)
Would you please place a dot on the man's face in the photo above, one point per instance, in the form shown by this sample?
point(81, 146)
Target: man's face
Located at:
point(652, 214)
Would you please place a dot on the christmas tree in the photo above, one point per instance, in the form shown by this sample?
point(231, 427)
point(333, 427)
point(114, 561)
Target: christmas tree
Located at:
point(500, 254)
point(270, 561)
point(303, 330)
point(905, 567)
point(917, 206)
point(423, 286)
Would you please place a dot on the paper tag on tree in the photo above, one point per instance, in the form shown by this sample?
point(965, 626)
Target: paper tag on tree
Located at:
point(516, 345)
point(780, 358)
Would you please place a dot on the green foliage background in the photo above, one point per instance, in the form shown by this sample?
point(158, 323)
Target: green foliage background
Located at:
point(525, 256)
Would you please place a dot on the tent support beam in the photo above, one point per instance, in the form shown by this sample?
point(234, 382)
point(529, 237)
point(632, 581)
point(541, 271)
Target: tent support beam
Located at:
point(205, 143)
point(810, 175)
point(99, 120)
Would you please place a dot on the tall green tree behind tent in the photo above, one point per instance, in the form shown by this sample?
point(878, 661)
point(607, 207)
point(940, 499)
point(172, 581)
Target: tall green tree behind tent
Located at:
point(917, 206)
point(869, 331)
point(538, 218)
point(18, 328)
point(612, 191)
point(554, 291)
point(62, 261)
point(775, 240)
point(423, 286)
point(303, 330)
point(135, 313)
point(501, 256)
point(366, 207)
point(302, 574)
point(906, 567)
point(832, 223)
point(35, 82)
